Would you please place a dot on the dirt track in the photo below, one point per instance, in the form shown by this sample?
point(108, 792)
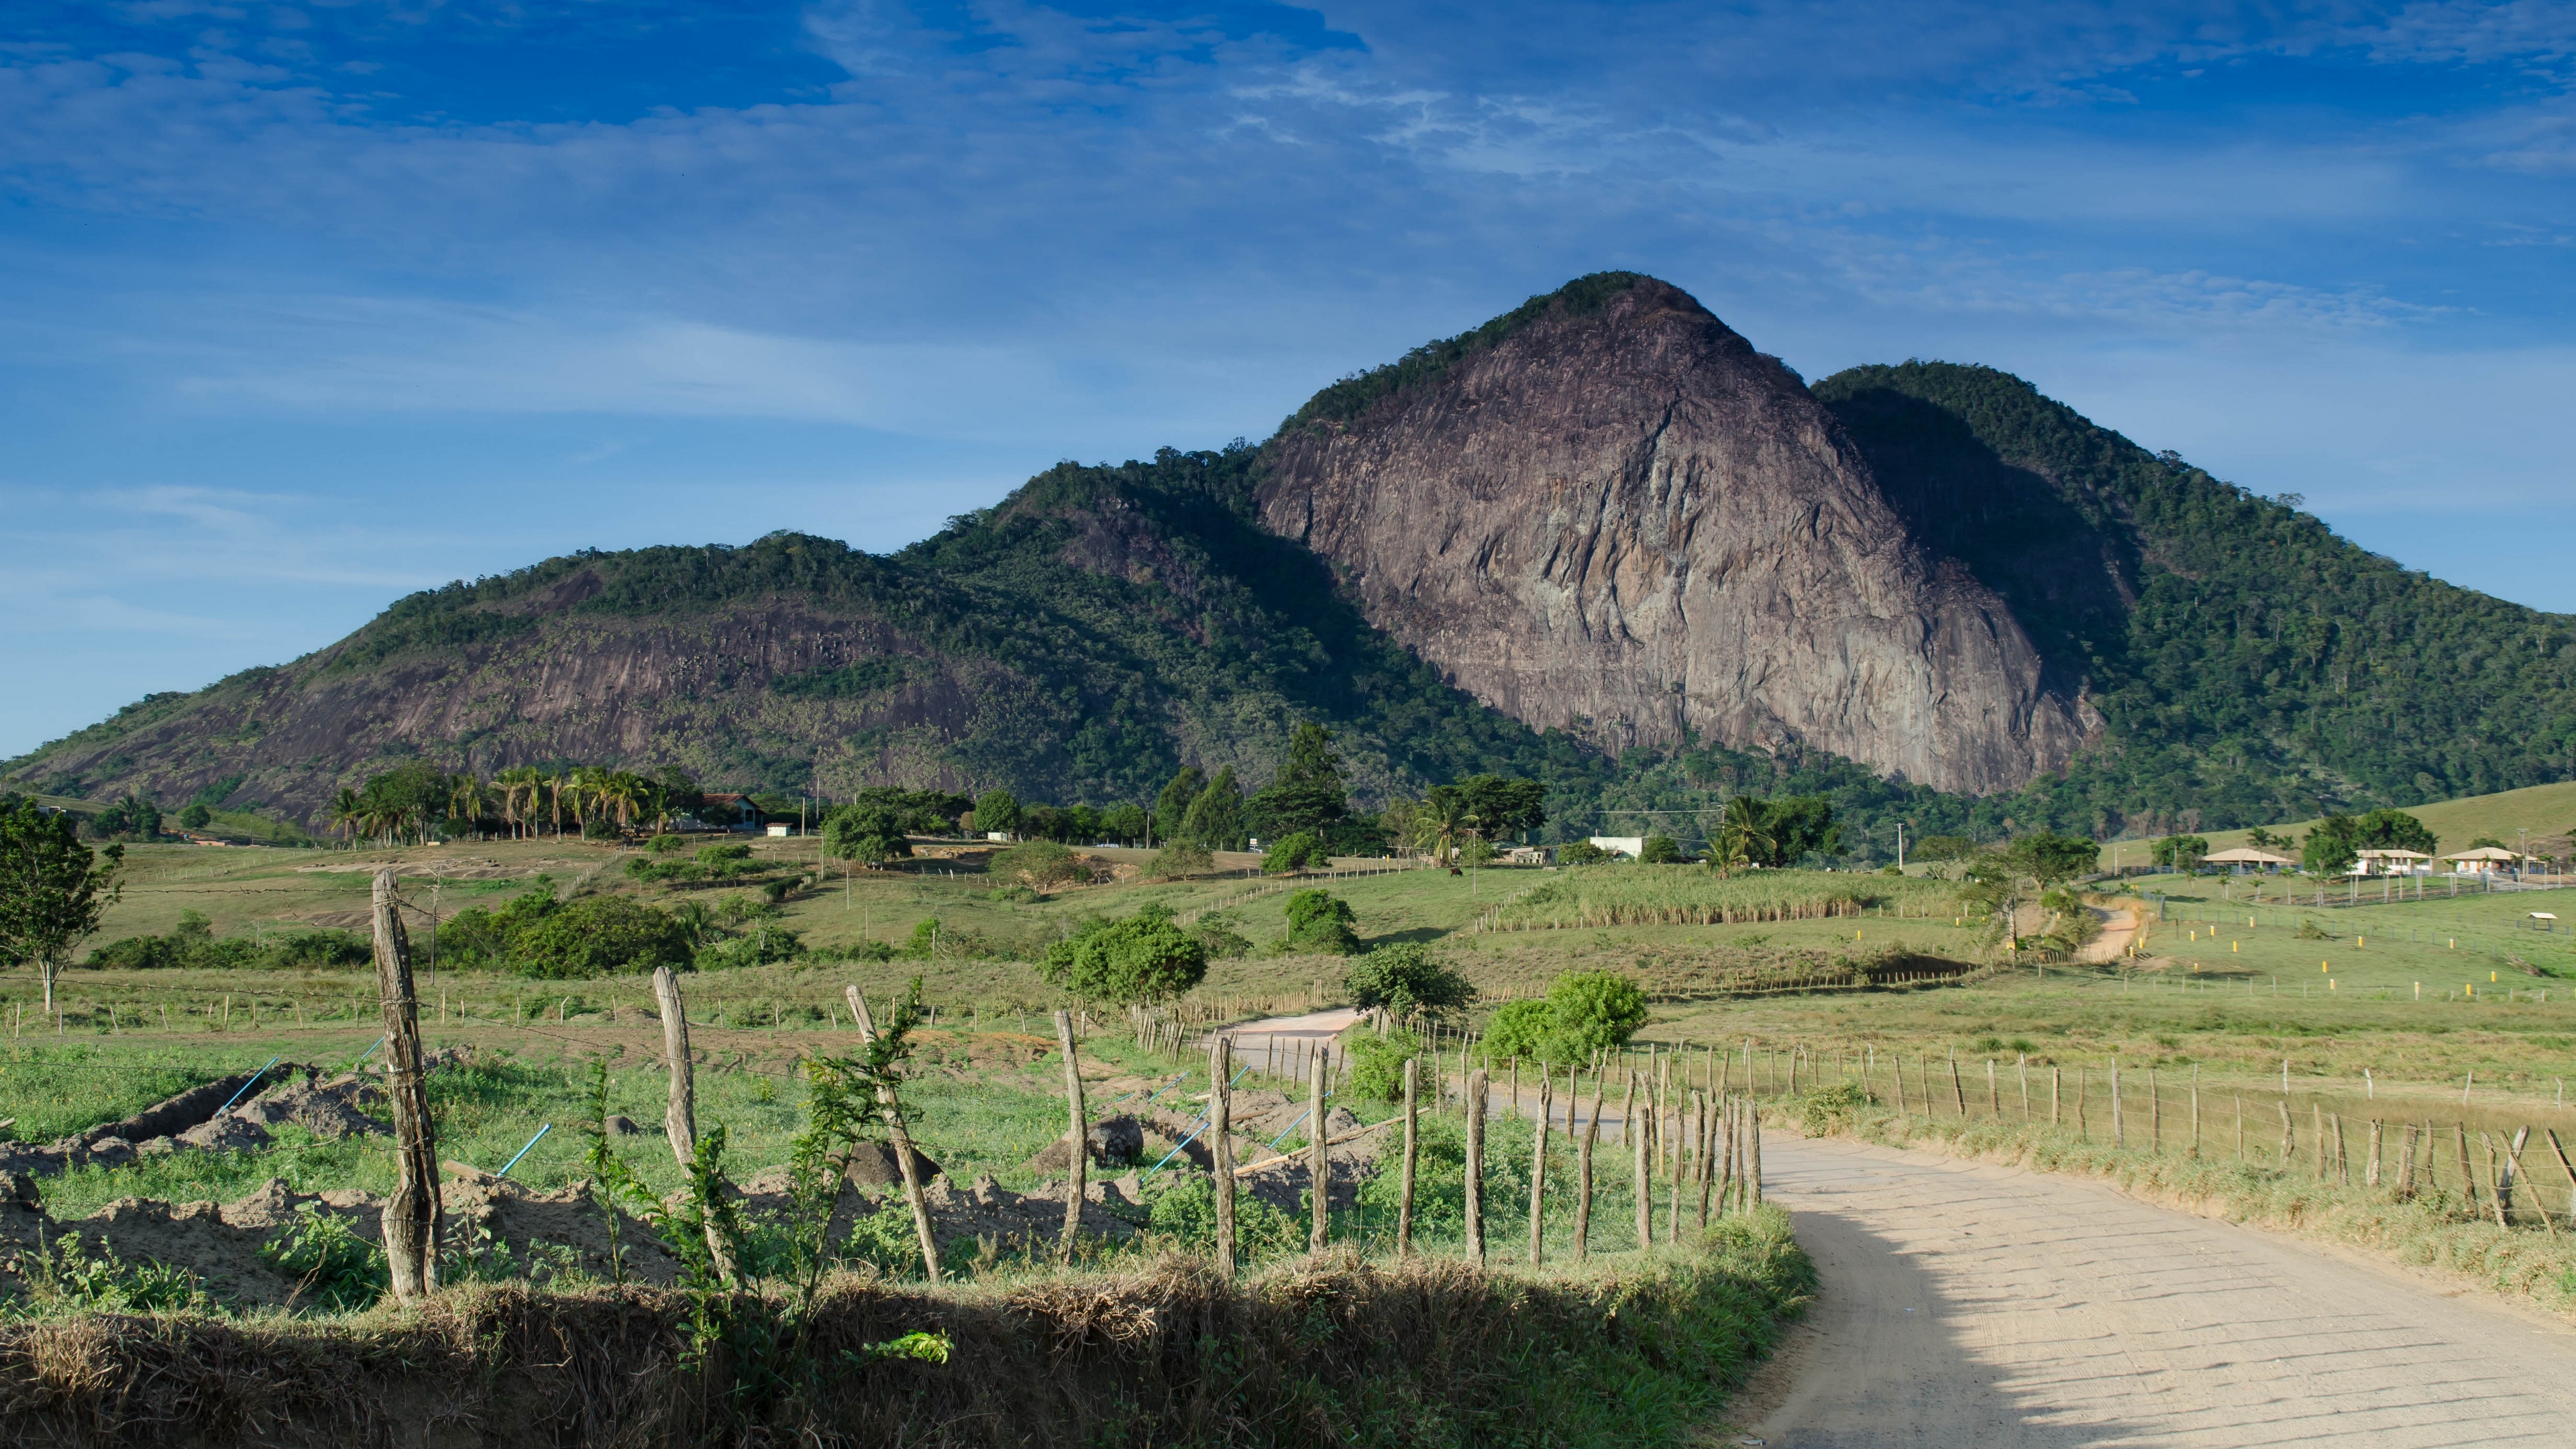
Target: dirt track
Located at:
point(1966, 1304)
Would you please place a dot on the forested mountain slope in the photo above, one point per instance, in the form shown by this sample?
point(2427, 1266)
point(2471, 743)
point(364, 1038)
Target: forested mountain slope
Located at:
point(1934, 530)
point(2250, 665)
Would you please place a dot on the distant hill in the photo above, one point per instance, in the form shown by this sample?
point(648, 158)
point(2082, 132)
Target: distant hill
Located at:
point(2249, 665)
point(1599, 540)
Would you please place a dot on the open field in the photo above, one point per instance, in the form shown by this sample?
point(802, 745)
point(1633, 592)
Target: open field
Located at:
point(2547, 811)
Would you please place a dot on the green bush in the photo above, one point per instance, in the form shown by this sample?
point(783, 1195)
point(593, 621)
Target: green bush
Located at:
point(1040, 864)
point(1180, 858)
point(598, 936)
point(1142, 958)
point(1659, 850)
point(1595, 1010)
point(333, 1266)
point(1405, 977)
point(1377, 1064)
point(1526, 1030)
point(1186, 1215)
point(1303, 850)
point(1321, 921)
point(1580, 852)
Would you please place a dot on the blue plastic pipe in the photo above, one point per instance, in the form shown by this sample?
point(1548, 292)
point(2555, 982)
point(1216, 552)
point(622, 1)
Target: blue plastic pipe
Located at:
point(246, 1086)
point(524, 1151)
point(1204, 1118)
point(371, 1051)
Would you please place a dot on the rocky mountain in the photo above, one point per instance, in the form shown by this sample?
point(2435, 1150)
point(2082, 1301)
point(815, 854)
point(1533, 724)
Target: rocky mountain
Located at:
point(1619, 519)
point(1600, 540)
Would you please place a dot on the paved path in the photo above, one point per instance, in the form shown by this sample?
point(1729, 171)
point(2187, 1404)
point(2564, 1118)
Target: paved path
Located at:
point(1271, 1045)
point(1966, 1304)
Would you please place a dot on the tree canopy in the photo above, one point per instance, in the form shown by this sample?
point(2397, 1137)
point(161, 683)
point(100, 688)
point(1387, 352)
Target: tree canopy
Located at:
point(1144, 957)
point(53, 889)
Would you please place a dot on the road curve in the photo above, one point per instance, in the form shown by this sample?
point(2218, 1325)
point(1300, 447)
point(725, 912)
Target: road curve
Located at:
point(1970, 1304)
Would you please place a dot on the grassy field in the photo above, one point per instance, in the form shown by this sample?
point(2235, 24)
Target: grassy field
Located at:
point(2547, 811)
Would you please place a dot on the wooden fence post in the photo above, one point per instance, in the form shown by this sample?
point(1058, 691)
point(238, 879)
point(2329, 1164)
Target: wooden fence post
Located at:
point(1538, 1166)
point(1078, 1160)
point(899, 1134)
point(1591, 1136)
point(2567, 1167)
point(1708, 1132)
point(1753, 1155)
point(2468, 1179)
point(2370, 1174)
point(1958, 1097)
point(1673, 1187)
point(2023, 1067)
point(1475, 1169)
point(1404, 1198)
point(2195, 1109)
point(410, 1225)
point(2155, 1112)
point(1898, 1071)
point(1645, 1180)
point(1221, 1148)
point(2056, 1082)
point(2119, 1133)
point(2288, 1142)
point(1994, 1103)
point(1319, 1164)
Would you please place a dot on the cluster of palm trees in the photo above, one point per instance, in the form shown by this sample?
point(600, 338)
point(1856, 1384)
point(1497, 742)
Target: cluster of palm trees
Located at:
point(404, 804)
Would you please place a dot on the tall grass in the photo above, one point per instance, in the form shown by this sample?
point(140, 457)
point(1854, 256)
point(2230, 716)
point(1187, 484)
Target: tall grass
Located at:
point(1655, 895)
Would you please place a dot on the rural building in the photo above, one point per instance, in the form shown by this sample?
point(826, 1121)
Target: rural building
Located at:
point(1630, 846)
point(2392, 862)
point(2244, 858)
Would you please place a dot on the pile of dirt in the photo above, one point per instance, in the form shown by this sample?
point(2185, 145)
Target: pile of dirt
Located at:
point(1112, 1142)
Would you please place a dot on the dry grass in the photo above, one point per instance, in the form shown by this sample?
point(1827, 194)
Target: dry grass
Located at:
point(1428, 1351)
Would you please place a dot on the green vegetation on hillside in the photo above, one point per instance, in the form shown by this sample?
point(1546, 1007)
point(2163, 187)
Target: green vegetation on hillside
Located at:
point(2251, 665)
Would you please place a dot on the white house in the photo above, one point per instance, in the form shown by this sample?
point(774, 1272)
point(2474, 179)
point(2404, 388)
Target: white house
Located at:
point(1630, 846)
point(2485, 860)
point(2391, 862)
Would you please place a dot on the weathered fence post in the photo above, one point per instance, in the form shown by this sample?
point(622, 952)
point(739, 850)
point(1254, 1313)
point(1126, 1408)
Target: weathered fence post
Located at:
point(1320, 1159)
point(2119, 1132)
point(1753, 1154)
point(1538, 1167)
point(1221, 1147)
point(1404, 1199)
point(2056, 1080)
point(2195, 1110)
point(1644, 1169)
point(1078, 1159)
point(1591, 1136)
point(410, 1224)
point(1958, 1096)
point(899, 1135)
point(1475, 1168)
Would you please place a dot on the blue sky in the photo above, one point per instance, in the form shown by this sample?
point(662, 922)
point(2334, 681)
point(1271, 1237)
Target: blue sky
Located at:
point(306, 306)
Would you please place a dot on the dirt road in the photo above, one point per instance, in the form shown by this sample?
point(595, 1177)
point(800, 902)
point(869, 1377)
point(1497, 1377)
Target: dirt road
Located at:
point(1966, 1304)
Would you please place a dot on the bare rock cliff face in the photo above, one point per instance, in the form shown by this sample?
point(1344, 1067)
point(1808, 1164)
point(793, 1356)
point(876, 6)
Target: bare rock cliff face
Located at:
point(1629, 523)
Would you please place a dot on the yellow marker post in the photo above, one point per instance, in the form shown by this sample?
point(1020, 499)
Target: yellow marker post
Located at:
point(2361, 940)
point(2232, 945)
point(2329, 983)
point(2321, 968)
point(2491, 976)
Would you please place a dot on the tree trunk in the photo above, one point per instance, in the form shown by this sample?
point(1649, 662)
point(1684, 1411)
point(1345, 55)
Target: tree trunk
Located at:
point(1645, 1173)
point(411, 1216)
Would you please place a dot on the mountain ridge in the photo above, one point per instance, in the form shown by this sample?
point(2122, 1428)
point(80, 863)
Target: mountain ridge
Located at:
point(1103, 625)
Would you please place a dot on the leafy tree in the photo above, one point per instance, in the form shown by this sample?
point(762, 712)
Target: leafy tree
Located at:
point(1301, 851)
point(598, 935)
point(1046, 822)
point(868, 834)
point(132, 817)
point(1178, 859)
point(2049, 858)
point(1172, 807)
point(1940, 851)
point(1215, 818)
point(1405, 977)
point(53, 889)
point(1659, 850)
point(1309, 792)
point(1320, 921)
point(2331, 846)
point(2178, 852)
point(1377, 1063)
point(1123, 823)
point(1142, 958)
point(1799, 825)
point(997, 810)
point(1497, 808)
point(2488, 842)
point(2394, 830)
point(1040, 864)
point(195, 817)
point(1580, 852)
point(1595, 1011)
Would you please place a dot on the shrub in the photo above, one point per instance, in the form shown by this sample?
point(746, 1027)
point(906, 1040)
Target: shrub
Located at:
point(1321, 921)
point(1186, 1214)
point(196, 817)
point(1659, 850)
point(1525, 1029)
point(1581, 852)
point(598, 936)
point(1040, 864)
point(761, 945)
point(1406, 977)
point(602, 828)
point(1180, 858)
point(1377, 1064)
point(1142, 958)
point(1596, 1010)
point(870, 834)
point(1302, 851)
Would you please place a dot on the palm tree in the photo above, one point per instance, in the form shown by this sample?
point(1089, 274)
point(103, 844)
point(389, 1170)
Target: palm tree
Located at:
point(345, 813)
point(556, 784)
point(467, 796)
point(515, 783)
point(1743, 835)
point(1439, 823)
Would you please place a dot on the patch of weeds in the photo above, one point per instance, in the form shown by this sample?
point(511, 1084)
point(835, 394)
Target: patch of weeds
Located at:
point(66, 1275)
point(333, 1266)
